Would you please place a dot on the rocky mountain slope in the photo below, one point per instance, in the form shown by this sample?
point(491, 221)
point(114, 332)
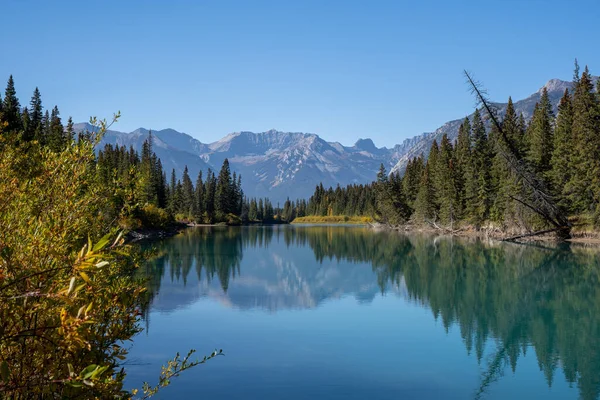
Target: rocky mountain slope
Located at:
point(290, 164)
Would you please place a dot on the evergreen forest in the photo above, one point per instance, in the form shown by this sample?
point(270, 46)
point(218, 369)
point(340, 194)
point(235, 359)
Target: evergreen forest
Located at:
point(469, 182)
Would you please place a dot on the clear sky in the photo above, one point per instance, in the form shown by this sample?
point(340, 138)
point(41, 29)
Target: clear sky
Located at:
point(345, 70)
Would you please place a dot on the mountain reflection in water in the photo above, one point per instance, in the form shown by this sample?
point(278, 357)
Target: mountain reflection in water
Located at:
point(518, 297)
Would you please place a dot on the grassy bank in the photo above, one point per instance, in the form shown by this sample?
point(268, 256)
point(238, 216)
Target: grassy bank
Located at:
point(332, 219)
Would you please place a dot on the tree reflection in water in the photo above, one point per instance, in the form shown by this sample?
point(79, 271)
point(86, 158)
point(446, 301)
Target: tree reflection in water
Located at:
point(520, 297)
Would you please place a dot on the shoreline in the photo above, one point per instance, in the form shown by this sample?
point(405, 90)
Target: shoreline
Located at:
point(581, 238)
point(333, 219)
point(138, 235)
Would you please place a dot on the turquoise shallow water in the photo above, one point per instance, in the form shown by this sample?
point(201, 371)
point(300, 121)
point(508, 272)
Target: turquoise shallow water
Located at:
point(341, 312)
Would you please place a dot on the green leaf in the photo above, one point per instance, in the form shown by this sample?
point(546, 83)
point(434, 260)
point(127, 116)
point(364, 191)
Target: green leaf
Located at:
point(101, 243)
point(88, 371)
point(99, 371)
point(85, 277)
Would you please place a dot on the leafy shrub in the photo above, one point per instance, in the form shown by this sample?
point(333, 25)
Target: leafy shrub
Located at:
point(233, 219)
point(154, 217)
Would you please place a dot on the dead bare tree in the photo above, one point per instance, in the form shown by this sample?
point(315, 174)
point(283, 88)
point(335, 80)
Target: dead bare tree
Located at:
point(534, 194)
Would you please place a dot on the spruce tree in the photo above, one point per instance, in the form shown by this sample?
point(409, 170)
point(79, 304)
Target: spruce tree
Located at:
point(540, 135)
point(583, 186)
point(161, 182)
point(26, 121)
point(260, 210)
point(34, 130)
point(412, 179)
point(224, 203)
point(45, 135)
point(434, 154)
point(148, 179)
point(562, 167)
point(446, 175)
point(504, 183)
point(425, 208)
point(253, 211)
point(513, 129)
point(462, 164)
point(199, 199)
point(209, 195)
point(171, 207)
point(478, 185)
point(11, 110)
point(179, 200)
point(187, 193)
point(56, 139)
point(70, 131)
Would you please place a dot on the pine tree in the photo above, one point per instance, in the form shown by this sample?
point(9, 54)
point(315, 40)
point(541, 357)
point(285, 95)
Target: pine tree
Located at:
point(161, 180)
point(240, 195)
point(34, 130)
point(209, 195)
point(425, 207)
point(70, 131)
point(224, 192)
point(504, 183)
point(199, 199)
point(11, 110)
point(148, 179)
point(540, 135)
point(583, 186)
point(26, 121)
point(462, 156)
point(260, 210)
point(382, 176)
point(478, 185)
point(171, 207)
point(45, 135)
point(562, 149)
point(513, 130)
point(187, 193)
point(253, 210)
point(446, 175)
point(434, 155)
point(56, 139)
point(412, 179)
point(179, 200)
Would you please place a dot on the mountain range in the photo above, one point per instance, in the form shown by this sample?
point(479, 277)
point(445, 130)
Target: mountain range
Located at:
point(279, 165)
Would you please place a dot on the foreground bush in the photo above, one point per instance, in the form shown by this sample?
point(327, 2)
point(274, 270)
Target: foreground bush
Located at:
point(68, 299)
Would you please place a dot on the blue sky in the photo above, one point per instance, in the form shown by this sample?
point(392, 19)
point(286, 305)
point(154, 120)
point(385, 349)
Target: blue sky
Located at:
point(342, 69)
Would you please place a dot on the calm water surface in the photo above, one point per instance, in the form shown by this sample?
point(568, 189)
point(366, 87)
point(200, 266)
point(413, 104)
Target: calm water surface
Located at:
point(349, 313)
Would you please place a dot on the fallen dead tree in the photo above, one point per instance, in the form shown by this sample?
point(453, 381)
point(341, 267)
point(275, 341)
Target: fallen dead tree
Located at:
point(539, 199)
point(531, 234)
point(439, 228)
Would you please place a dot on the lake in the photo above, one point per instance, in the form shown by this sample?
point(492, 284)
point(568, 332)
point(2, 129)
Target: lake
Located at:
point(342, 312)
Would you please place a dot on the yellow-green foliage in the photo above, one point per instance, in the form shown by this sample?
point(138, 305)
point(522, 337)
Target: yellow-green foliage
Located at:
point(154, 217)
point(332, 219)
point(66, 297)
point(233, 219)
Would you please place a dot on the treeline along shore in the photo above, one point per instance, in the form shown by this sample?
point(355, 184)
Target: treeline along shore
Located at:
point(503, 176)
